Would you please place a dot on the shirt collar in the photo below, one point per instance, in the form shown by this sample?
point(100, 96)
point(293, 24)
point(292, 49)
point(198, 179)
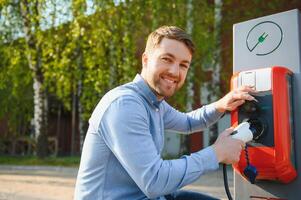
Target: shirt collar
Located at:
point(146, 91)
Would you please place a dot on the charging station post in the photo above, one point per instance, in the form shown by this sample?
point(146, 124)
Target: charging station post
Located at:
point(260, 44)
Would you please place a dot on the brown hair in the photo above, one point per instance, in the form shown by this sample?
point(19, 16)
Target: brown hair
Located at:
point(170, 32)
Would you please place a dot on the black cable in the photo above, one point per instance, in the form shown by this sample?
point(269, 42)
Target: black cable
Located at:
point(226, 182)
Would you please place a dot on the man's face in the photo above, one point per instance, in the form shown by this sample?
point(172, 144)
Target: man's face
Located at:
point(165, 67)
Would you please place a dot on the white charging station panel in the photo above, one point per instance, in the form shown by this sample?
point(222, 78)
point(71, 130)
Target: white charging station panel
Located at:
point(260, 79)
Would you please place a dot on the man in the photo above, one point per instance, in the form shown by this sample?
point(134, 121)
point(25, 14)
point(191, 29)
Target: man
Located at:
point(121, 157)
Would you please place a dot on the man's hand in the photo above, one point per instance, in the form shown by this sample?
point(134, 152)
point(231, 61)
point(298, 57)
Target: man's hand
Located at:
point(235, 98)
point(228, 149)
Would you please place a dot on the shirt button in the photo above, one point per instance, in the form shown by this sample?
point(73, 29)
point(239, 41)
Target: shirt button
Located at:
point(157, 109)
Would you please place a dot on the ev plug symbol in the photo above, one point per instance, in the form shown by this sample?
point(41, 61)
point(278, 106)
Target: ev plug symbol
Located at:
point(260, 40)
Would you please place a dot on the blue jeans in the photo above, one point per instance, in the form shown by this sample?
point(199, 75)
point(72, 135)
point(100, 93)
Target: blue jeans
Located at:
point(188, 195)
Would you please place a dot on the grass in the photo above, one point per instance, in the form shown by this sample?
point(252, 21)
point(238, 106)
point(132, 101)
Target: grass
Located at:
point(70, 161)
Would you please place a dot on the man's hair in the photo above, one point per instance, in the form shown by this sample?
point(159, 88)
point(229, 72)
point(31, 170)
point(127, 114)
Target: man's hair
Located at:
point(170, 32)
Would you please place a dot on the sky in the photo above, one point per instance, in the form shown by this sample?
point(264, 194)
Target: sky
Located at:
point(54, 13)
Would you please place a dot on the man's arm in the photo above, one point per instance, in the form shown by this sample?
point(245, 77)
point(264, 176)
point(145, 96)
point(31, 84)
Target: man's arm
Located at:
point(190, 122)
point(203, 117)
point(125, 129)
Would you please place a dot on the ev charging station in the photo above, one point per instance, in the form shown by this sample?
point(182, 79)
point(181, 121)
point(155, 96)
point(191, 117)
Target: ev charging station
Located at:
point(266, 55)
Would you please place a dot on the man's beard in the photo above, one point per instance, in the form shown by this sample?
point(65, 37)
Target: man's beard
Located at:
point(161, 91)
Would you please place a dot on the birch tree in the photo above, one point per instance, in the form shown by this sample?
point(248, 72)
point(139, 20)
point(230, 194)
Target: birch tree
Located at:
point(30, 12)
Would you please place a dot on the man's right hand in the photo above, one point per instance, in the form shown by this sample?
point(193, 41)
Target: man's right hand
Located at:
point(235, 98)
point(228, 149)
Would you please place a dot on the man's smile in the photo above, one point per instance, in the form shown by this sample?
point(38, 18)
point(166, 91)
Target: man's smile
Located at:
point(169, 80)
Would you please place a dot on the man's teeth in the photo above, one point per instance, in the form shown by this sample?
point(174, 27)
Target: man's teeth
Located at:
point(168, 80)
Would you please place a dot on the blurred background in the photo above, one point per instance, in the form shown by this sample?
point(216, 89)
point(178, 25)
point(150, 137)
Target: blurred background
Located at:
point(59, 57)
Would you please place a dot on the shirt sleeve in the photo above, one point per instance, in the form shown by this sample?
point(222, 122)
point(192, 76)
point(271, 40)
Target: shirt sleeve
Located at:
point(125, 129)
point(189, 122)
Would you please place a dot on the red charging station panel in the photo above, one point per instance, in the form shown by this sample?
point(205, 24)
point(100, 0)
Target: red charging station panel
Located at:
point(276, 161)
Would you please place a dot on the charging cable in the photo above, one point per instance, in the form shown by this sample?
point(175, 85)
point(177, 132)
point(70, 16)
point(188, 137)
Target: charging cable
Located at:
point(241, 132)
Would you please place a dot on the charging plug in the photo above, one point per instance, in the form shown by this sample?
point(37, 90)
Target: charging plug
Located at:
point(243, 132)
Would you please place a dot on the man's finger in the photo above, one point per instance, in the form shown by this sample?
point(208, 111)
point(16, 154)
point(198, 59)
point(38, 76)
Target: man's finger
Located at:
point(244, 96)
point(246, 88)
point(228, 131)
point(235, 104)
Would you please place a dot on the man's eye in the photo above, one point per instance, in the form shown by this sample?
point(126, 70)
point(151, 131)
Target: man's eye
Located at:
point(184, 66)
point(165, 59)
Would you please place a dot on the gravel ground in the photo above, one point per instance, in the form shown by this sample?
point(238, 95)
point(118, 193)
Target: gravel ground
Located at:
point(57, 183)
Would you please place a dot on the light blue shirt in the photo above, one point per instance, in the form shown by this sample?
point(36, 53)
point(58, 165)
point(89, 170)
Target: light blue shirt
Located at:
point(121, 157)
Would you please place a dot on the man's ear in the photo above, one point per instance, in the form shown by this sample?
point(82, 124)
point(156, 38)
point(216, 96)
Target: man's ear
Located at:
point(144, 59)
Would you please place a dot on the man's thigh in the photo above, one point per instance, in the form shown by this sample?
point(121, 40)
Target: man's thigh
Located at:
point(188, 195)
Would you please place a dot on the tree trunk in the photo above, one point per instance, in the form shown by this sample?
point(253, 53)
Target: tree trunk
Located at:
point(58, 122)
point(217, 54)
point(195, 140)
point(80, 119)
point(213, 130)
point(39, 118)
point(79, 8)
point(73, 120)
point(30, 18)
point(80, 106)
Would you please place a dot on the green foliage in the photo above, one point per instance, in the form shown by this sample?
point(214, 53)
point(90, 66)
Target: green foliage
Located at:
point(103, 49)
point(16, 97)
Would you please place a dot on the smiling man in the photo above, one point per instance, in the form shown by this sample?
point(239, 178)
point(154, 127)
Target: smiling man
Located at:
point(121, 157)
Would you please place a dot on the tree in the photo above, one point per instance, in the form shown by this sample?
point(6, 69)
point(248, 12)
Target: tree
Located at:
point(24, 20)
point(16, 100)
point(30, 12)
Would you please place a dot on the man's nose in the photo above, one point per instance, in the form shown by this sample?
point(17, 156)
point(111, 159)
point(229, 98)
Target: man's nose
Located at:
point(174, 69)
